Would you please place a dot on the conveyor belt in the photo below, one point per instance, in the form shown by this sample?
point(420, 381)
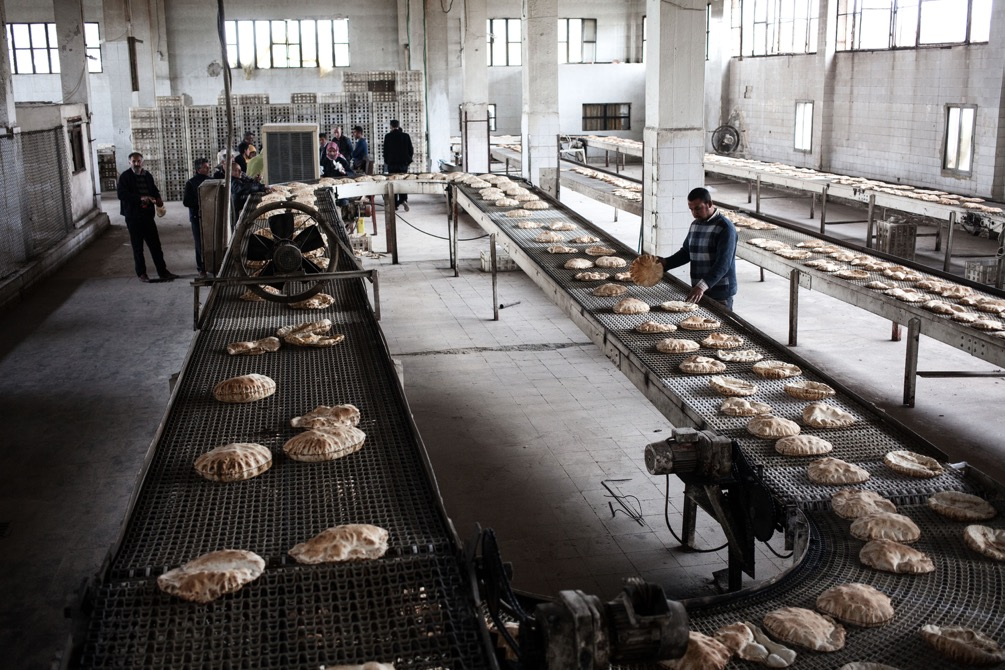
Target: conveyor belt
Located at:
point(598, 190)
point(413, 607)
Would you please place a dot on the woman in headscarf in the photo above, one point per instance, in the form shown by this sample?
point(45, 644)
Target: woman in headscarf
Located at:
point(334, 164)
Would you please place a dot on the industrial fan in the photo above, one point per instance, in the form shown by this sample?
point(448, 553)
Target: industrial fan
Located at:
point(285, 255)
point(725, 139)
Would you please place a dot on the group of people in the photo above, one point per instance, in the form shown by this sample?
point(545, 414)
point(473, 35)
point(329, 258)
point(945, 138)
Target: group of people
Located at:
point(341, 157)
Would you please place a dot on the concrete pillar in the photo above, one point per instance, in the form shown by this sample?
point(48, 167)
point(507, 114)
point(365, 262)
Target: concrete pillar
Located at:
point(474, 64)
point(823, 95)
point(437, 76)
point(996, 55)
point(540, 123)
point(674, 136)
point(8, 117)
point(12, 208)
point(73, 74)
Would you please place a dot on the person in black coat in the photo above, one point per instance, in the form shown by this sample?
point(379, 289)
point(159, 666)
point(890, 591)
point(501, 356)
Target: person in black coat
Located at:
point(138, 199)
point(398, 155)
point(191, 200)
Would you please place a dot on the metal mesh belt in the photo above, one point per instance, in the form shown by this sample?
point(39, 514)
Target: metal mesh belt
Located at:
point(412, 607)
point(35, 192)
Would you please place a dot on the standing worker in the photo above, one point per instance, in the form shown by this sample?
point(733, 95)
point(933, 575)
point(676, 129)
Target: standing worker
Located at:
point(344, 145)
point(398, 156)
point(710, 247)
point(138, 196)
point(191, 200)
point(360, 151)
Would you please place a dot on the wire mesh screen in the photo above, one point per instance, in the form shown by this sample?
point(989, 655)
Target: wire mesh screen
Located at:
point(35, 213)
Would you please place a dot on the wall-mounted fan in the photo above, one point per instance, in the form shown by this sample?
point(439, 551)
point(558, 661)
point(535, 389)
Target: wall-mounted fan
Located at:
point(725, 139)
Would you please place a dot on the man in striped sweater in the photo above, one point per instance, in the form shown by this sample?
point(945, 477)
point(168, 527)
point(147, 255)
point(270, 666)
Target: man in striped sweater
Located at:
point(710, 248)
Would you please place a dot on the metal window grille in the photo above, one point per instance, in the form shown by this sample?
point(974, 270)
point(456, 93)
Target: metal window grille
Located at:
point(505, 42)
point(287, 43)
point(33, 48)
point(607, 116)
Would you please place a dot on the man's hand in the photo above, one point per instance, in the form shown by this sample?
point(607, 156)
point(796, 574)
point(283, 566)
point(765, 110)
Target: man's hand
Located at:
point(696, 293)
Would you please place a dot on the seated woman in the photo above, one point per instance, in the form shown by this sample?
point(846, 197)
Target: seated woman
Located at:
point(334, 164)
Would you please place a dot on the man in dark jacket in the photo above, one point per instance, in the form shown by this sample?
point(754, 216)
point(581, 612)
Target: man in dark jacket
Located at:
point(242, 187)
point(138, 198)
point(191, 200)
point(398, 156)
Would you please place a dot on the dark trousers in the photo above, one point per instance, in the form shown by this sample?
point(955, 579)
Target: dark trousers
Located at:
point(145, 230)
point(398, 169)
point(197, 236)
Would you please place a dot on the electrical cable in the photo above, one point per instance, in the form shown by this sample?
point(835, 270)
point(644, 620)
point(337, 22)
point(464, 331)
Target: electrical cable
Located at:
point(666, 517)
point(772, 550)
point(439, 237)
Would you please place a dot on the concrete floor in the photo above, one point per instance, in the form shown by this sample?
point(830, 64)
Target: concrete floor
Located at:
point(523, 418)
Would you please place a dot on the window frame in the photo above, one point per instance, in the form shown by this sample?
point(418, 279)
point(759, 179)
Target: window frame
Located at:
point(507, 26)
point(609, 116)
point(906, 21)
point(800, 130)
point(764, 24)
point(948, 134)
point(75, 137)
point(491, 117)
point(298, 44)
point(92, 50)
point(565, 47)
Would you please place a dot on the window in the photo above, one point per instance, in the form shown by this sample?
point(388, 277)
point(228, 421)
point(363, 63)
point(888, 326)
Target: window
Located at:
point(644, 37)
point(804, 126)
point(708, 27)
point(774, 27)
point(577, 40)
point(34, 49)
point(492, 116)
point(890, 24)
point(959, 138)
point(75, 132)
point(288, 43)
point(736, 28)
point(609, 116)
point(505, 42)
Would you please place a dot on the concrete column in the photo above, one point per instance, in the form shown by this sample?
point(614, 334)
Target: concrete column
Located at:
point(12, 207)
point(474, 64)
point(674, 136)
point(8, 117)
point(539, 124)
point(437, 76)
point(995, 56)
point(73, 74)
point(823, 96)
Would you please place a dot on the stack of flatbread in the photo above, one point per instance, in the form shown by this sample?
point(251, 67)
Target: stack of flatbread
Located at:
point(331, 434)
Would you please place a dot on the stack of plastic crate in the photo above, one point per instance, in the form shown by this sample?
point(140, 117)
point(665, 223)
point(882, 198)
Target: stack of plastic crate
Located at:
point(174, 139)
point(280, 113)
point(203, 140)
point(107, 171)
point(304, 108)
point(251, 118)
point(145, 128)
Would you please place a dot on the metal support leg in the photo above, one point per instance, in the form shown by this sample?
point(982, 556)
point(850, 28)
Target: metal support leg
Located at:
point(813, 205)
point(456, 230)
point(871, 221)
point(794, 307)
point(757, 206)
point(376, 295)
point(823, 209)
point(195, 307)
point(451, 246)
point(690, 515)
point(762, 273)
point(615, 214)
point(911, 365)
point(750, 191)
point(495, 289)
point(949, 242)
point(390, 224)
point(895, 333)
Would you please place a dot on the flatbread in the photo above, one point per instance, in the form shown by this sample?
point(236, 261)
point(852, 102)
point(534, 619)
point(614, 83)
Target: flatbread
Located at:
point(912, 464)
point(703, 653)
point(251, 296)
point(356, 541)
point(805, 628)
point(324, 416)
point(701, 365)
point(699, 323)
point(886, 526)
point(253, 347)
point(308, 327)
point(986, 540)
point(901, 273)
point(631, 306)
point(963, 645)
point(880, 285)
point(246, 388)
point(314, 339)
point(960, 506)
point(528, 225)
point(678, 306)
point(772, 427)
point(733, 387)
point(739, 355)
point(803, 445)
point(536, 204)
point(852, 275)
point(578, 264)
point(856, 503)
point(906, 294)
point(517, 213)
point(793, 254)
point(673, 345)
point(319, 301)
point(585, 239)
point(856, 604)
point(600, 251)
point(622, 276)
point(822, 415)
point(834, 471)
point(548, 236)
point(610, 290)
point(776, 369)
point(988, 324)
point(943, 307)
point(890, 556)
point(591, 276)
point(655, 327)
point(735, 406)
point(824, 265)
point(610, 262)
point(751, 644)
point(206, 578)
point(646, 270)
point(562, 249)
point(234, 462)
point(562, 225)
point(324, 444)
point(722, 341)
point(805, 389)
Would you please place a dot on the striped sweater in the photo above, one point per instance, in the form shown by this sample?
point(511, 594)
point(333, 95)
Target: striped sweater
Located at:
point(710, 248)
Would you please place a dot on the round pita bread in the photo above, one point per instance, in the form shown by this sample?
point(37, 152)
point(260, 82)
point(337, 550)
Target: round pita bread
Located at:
point(246, 388)
point(890, 556)
point(986, 540)
point(805, 389)
point(325, 417)
point(562, 249)
point(886, 526)
point(578, 264)
point(822, 415)
point(585, 239)
point(673, 345)
point(803, 445)
point(610, 262)
point(357, 541)
point(722, 341)
point(743, 407)
point(622, 276)
point(204, 579)
point(733, 387)
point(960, 506)
point(703, 653)
point(548, 236)
point(772, 427)
point(631, 306)
point(963, 645)
point(833, 471)
point(646, 270)
point(912, 464)
point(855, 503)
point(699, 323)
point(234, 462)
point(324, 444)
point(610, 290)
point(701, 365)
point(793, 254)
point(805, 628)
point(678, 306)
point(590, 276)
point(528, 225)
point(739, 355)
point(853, 275)
point(655, 327)
point(857, 604)
point(600, 251)
point(776, 369)
point(561, 225)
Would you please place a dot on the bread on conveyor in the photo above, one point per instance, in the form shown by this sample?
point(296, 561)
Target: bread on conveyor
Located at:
point(853, 275)
point(246, 388)
point(960, 506)
point(751, 644)
point(350, 542)
point(631, 306)
point(610, 290)
point(646, 270)
point(805, 389)
point(655, 327)
point(890, 556)
point(323, 416)
point(805, 628)
point(506, 202)
point(986, 540)
point(803, 445)
point(623, 276)
point(314, 339)
point(253, 347)
point(319, 301)
point(590, 276)
point(527, 225)
point(722, 341)
point(585, 239)
point(886, 526)
point(548, 236)
point(678, 306)
point(822, 415)
point(855, 503)
point(776, 369)
point(562, 249)
point(610, 262)
point(675, 345)
point(535, 204)
point(857, 604)
point(912, 464)
point(739, 355)
point(578, 264)
point(943, 307)
point(251, 296)
point(212, 575)
point(317, 327)
point(736, 406)
point(234, 462)
point(963, 645)
point(599, 251)
point(701, 365)
point(735, 388)
point(703, 653)
point(699, 323)
point(562, 225)
point(772, 427)
point(833, 471)
point(824, 265)
point(324, 444)
point(793, 254)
